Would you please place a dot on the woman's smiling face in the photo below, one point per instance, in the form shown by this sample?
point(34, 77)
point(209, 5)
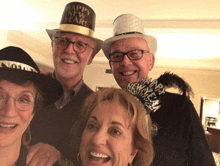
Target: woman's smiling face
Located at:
point(108, 137)
point(14, 120)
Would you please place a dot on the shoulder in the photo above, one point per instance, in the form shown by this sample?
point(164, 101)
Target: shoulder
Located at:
point(174, 108)
point(63, 162)
point(85, 90)
point(83, 93)
point(175, 100)
point(23, 156)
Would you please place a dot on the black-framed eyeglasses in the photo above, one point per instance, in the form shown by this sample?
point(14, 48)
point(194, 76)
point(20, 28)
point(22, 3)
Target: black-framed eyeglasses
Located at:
point(22, 102)
point(78, 46)
point(132, 55)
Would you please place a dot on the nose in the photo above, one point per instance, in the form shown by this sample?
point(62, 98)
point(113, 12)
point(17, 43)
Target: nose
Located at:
point(126, 61)
point(9, 109)
point(100, 138)
point(69, 49)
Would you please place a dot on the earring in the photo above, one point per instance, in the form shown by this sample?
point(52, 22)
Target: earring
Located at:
point(26, 138)
point(78, 157)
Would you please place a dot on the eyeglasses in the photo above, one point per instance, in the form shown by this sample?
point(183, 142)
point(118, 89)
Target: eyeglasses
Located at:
point(132, 55)
point(22, 102)
point(78, 46)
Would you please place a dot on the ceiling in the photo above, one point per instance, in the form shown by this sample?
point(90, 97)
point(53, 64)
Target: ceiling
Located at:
point(188, 31)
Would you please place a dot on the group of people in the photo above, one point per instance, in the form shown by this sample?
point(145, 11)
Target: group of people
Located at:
point(56, 119)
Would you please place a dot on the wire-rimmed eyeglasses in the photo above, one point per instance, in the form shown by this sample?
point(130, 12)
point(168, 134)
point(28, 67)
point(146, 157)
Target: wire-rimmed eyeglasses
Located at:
point(132, 55)
point(22, 101)
point(78, 46)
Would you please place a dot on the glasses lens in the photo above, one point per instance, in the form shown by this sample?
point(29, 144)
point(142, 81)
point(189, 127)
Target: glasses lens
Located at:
point(116, 57)
point(61, 42)
point(24, 102)
point(135, 54)
point(79, 46)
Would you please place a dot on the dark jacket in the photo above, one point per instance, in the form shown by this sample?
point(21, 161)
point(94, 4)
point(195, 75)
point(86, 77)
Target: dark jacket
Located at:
point(181, 138)
point(53, 126)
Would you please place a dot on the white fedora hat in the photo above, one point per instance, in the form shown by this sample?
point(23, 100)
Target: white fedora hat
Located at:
point(127, 26)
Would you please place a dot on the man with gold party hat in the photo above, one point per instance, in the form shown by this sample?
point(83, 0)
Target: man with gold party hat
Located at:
point(74, 47)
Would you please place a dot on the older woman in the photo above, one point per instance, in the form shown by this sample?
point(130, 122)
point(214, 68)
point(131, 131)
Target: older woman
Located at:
point(117, 130)
point(23, 90)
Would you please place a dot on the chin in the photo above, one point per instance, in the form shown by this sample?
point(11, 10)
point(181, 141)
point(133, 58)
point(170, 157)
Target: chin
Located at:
point(5, 142)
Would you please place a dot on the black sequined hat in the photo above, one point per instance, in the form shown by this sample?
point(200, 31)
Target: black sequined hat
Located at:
point(17, 63)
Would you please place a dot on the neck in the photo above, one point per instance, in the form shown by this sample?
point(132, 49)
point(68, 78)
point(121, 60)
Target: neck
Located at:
point(9, 154)
point(68, 83)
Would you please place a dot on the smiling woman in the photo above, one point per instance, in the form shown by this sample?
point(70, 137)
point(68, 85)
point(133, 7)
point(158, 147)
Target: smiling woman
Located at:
point(22, 93)
point(117, 130)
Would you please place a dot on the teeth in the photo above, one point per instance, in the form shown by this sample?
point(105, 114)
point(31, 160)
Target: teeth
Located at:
point(3, 125)
point(69, 61)
point(98, 155)
point(127, 73)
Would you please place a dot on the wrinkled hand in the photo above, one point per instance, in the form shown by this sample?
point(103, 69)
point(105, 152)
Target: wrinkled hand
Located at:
point(42, 155)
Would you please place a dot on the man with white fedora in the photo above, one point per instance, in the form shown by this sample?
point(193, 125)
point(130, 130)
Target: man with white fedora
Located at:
point(74, 46)
point(178, 135)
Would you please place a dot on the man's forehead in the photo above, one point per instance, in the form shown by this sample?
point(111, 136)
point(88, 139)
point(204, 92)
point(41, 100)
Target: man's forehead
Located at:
point(71, 34)
point(129, 43)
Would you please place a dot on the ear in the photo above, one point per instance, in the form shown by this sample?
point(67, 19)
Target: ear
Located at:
point(152, 61)
point(92, 57)
point(133, 154)
point(110, 64)
point(52, 44)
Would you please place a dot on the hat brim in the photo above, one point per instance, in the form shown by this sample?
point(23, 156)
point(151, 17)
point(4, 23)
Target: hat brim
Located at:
point(98, 42)
point(51, 89)
point(151, 41)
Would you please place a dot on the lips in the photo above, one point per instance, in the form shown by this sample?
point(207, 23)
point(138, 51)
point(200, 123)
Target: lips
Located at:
point(68, 61)
point(128, 73)
point(7, 125)
point(7, 128)
point(99, 157)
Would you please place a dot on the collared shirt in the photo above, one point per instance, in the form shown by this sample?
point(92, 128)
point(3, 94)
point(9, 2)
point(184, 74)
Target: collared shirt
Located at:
point(68, 95)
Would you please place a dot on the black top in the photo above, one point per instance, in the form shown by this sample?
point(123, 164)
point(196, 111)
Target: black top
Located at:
point(22, 157)
point(181, 138)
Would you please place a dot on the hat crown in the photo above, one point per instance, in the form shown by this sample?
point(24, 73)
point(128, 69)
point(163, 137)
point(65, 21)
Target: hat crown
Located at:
point(16, 58)
point(126, 24)
point(16, 64)
point(78, 18)
point(79, 14)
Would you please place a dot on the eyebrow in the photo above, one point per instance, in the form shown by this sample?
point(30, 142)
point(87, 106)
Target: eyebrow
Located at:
point(113, 122)
point(117, 123)
point(131, 49)
point(26, 91)
point(30, 92)
point(80, 40)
